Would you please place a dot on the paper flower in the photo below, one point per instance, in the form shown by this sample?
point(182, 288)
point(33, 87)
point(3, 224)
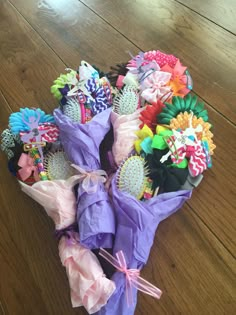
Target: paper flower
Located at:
point(181, 105)
point(142, 134)
point(22, 120)
point(149, 115)
point(181, 121)
point(154, 87)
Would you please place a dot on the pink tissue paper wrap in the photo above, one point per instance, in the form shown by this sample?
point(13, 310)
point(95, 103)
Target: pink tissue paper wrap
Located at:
point(124, 128)
point(88, 284)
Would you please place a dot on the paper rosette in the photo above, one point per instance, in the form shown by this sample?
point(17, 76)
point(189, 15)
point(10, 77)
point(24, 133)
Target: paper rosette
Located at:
point(81, 143)
point(137, 222)
point(89, 286)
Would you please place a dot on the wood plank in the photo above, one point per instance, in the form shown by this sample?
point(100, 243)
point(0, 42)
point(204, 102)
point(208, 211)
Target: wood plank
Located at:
point(195, 272)
point(221, 12)
point(208, 50)
point(75, 33)
point(28, 66)
point(33, 280)
point(214, 200)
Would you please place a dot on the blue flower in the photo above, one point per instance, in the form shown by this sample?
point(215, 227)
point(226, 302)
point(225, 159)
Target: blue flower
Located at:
point(19, 121)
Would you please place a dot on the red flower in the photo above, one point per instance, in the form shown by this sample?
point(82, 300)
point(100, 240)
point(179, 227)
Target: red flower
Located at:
point(149, 115)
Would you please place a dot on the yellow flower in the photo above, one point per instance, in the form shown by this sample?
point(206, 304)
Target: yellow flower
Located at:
point(142, 134)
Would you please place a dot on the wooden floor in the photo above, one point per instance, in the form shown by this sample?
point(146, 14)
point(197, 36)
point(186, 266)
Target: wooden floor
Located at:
point(193, 257)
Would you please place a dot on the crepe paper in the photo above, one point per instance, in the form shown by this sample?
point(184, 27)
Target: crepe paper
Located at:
point(137, 222)
point(57, 198)
point(95, 217)
point(89, 286)
point(133, 278)
point(81, 143)
point(154, 86)
point(27, 167)
point(125, 127)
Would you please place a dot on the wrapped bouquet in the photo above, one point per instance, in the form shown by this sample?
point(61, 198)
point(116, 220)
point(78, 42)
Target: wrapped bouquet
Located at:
point(121, 153)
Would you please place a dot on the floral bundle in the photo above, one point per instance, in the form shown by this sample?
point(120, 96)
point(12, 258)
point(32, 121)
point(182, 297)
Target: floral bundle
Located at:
point(121, 153)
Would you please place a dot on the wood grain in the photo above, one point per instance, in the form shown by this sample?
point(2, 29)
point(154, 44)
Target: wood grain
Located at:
point(28, 66)
point(214, 200)
point(208, 50)
point(221, 12)
point(75, 33)
point(190, 265)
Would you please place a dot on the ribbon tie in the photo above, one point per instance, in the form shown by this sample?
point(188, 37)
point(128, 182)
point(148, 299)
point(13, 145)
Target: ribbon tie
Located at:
point(90, 180)
point(133, 280)
point(26, 163)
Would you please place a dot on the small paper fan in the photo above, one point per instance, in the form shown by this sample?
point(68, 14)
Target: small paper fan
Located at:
point(132, 176)
point(127, 101)
point(74, 110)
point(57, 166)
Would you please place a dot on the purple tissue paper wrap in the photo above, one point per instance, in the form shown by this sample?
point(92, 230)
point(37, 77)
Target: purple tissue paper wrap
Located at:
point(137, 222)
point(81, 143)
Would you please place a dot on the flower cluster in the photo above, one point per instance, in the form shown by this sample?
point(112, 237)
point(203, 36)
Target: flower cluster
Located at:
point(121, 153)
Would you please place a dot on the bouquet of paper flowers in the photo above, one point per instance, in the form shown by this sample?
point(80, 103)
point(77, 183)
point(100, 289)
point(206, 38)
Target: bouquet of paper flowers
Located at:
point(121, 153)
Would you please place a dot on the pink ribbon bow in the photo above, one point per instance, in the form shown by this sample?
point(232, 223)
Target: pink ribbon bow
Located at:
point(155, 86)
point(90, 180)
point(26, 163)
point(132, 276)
